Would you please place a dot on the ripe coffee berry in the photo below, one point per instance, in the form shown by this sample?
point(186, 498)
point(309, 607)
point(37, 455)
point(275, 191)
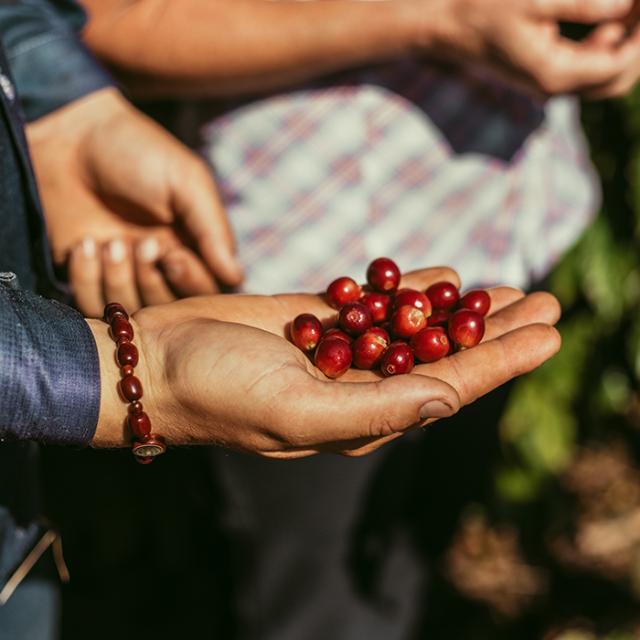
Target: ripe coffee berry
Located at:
point(337, 333)
point(369, 347)
point(379, 304)
point(438, 318)
point(355, 318)
point(306, 331)
point(333, 357)
point(413, 298)
point(397, 359)
point(477, 300)
point(466, 328)
point(443, 295)
point(383, 275)
point(406, 321)
point(342, 291)
point(430, 344)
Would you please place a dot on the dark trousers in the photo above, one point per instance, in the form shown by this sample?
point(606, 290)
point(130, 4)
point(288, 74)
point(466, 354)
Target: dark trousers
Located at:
point(332, 548)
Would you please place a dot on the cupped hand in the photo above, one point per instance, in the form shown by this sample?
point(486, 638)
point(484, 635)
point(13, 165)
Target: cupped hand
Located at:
point(119, 191)
point(520, 40)
point(209, 377)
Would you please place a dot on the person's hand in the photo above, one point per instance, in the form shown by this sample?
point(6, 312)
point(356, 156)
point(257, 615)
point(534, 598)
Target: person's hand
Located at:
point(520, 40)
point(209, 378)
point(612, 36)
point(135, 213)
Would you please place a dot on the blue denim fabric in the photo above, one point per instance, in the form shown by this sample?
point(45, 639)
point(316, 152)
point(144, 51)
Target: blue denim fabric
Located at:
point(50, 66)
point(49, 371)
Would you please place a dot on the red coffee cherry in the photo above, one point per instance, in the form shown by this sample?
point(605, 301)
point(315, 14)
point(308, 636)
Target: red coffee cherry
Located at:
point(466, 328)
point(477, 300)
point(369, 347)
point(397, 359)
point(306, 331)
point(443, 295)
point(383, 275)
point(337, 333)
point(333, 357)
point(430, 344)
point(413, 298)
point(379, 304)
point(355, 318)
point(406, 321)
point(438, 318)
point(342, 291)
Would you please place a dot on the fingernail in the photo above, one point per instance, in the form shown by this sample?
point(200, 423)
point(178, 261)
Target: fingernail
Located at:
point(435, 409)
point(89, 248)
point(148, 250)
point(117, 251)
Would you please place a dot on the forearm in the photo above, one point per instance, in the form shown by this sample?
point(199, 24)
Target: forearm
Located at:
point(220, 47)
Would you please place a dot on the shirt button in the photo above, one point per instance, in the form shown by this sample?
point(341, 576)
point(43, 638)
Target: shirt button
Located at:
point(7, 87)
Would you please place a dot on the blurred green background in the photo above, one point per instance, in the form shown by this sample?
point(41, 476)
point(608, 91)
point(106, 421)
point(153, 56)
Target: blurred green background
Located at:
point(553, 549)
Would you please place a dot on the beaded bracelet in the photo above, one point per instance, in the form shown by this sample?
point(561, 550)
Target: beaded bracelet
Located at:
point(146, 445)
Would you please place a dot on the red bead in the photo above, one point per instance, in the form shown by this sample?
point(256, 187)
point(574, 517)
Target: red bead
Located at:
point(135, 408)
point(113, 309)
point(140, 425)
point(127, 353)
point(127, 370)
point(121, 328)
point(131, 388)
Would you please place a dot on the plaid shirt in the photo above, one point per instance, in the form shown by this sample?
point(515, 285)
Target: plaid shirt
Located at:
point(420, 164)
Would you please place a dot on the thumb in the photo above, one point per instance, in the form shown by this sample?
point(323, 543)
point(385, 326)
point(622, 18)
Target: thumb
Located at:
point(583, 11)
point(197, 204)
point(344, 411)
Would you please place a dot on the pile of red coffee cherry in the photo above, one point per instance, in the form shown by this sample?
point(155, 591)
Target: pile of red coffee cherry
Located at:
point(382, 327)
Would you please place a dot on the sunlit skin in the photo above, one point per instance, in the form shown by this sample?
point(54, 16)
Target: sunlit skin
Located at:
point(106, 172)
point(210, 379)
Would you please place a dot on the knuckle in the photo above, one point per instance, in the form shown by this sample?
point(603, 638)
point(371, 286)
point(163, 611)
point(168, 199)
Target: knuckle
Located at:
point(381, 425)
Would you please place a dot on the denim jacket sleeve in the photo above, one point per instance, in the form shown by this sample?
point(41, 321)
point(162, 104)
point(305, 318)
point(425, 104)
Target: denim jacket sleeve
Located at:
point(49, 370)
point(49, 64)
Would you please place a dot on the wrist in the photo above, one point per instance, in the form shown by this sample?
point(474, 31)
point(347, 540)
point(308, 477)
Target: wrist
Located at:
point(436, 28)
point(112, 430)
